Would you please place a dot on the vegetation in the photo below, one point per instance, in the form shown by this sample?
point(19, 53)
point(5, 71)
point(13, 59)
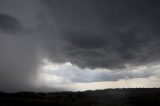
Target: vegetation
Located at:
point(107, 97)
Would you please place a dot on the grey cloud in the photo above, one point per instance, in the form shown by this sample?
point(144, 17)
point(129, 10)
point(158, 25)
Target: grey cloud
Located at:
point(84, 39)
point(119, 32)
point(21, 45)
point(88, 33)
point(9, 23)
point(73, 74)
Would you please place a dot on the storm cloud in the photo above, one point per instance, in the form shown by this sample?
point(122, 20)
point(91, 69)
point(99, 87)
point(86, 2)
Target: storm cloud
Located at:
point(107, 34)
point(90, 34)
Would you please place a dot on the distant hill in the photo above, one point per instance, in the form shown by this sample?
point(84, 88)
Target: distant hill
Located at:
point(106, 97)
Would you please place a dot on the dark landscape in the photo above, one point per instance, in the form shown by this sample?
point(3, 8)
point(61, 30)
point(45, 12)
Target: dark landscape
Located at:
point(106, 97)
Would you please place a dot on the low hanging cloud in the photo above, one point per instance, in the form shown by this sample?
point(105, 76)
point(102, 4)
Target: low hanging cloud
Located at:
point(71, 77)
point(97, 38)
point(69, 73)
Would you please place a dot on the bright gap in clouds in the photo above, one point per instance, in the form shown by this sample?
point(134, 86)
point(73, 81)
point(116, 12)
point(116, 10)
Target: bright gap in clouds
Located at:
point(70, 77)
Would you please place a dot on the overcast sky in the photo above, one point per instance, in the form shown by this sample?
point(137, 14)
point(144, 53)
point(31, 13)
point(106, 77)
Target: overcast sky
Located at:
point(50, 45)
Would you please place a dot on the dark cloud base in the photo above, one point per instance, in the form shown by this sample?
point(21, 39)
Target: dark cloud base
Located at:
point(108, 34)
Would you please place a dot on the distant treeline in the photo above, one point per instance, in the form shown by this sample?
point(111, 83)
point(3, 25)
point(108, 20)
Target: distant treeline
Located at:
point(106, 97)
